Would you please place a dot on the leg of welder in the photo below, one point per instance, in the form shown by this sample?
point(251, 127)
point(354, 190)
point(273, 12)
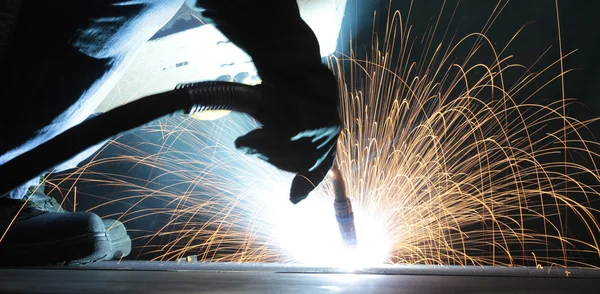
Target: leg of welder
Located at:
point(62, 59)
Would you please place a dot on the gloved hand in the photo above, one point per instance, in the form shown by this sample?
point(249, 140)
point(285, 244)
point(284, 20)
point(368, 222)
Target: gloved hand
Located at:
point(300, 121)
point(299, 134)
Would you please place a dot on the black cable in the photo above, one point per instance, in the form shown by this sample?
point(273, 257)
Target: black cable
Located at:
point(188, 98)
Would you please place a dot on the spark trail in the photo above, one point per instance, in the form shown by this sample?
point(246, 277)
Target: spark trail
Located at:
point(444, 160)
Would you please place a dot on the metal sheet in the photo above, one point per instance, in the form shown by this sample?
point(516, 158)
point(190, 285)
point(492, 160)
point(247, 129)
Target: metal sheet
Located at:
point(171, 277)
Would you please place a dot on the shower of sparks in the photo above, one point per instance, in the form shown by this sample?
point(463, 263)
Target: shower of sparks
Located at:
point(442, 164)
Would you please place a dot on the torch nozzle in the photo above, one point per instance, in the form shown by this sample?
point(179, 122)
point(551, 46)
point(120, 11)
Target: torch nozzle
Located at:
point(343, 210)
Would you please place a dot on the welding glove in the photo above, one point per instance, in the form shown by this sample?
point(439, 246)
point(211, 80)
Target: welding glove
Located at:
point(297, 135)
point(300, 121)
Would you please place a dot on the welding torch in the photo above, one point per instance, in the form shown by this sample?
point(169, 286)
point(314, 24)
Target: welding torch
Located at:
point(343, 209)
point(187, 98)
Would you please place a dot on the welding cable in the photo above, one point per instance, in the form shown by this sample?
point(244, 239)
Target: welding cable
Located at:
point(186, 98)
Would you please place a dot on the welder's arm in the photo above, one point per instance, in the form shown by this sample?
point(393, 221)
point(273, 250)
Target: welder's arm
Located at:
point(302, 124)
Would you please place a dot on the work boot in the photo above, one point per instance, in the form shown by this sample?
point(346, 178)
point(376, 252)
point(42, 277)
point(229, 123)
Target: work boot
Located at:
point(117, 234)
point(33, 236)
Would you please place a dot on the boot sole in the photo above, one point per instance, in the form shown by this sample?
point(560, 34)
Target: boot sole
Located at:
point(79, 250)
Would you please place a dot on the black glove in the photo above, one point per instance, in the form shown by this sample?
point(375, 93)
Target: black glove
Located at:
point(299, 135)
point(300, 121)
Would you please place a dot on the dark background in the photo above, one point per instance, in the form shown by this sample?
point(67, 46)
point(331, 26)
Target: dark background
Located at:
point(580, 29)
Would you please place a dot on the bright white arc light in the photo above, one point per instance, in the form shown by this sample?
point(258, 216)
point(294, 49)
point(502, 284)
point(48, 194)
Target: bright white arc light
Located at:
point(305, 233)
point(309, 233)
